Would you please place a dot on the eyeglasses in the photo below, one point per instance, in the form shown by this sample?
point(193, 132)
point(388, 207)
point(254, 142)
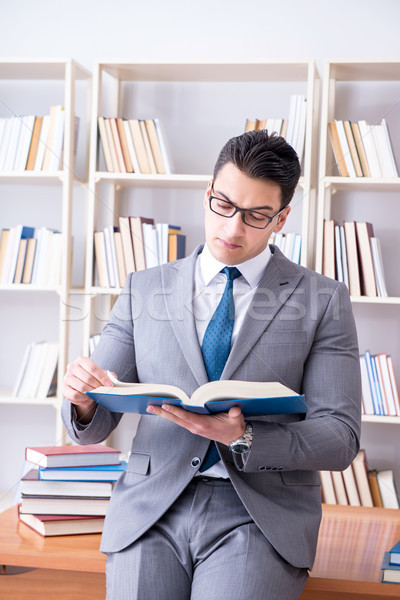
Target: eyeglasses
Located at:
point(252, 218)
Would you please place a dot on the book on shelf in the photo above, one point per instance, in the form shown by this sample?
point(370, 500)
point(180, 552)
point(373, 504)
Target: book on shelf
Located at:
point(111, 255)
point(72, 455)
point(90, 473)
point(127, 245)
point(15, 236)
point(345, 148)
point(119, 252)
point(387, 488)
point(42, 143)
point(327, 489)
point(55, 138)
point(379, 388)
point(37, 376)
point(150, 244)
point(147, 145)
point(353, 149)
point(390, 571)
point(370, 148)
point(124, 144)
point(116, 141)
point(329, 255)
point(350, 243)
point(374, 488)
point(105, 144)
point(155, 146)
point(360, 149)
point(394, 554)
point(289, 243)
point(101, 259)
point(162, 141)
point(32, 485)
point(33, 149)
point(378, 267)
point(51, 525)
point(176, 246)
point(339, 487)
point(138, 241)
point(69, 505)
point(338, 150)
point(350, 484)
point(139, 146)
point(254, 398)
point(360, 470)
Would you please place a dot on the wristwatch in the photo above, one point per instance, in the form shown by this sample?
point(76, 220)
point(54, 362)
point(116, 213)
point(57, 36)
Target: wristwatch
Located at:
point(243, 444)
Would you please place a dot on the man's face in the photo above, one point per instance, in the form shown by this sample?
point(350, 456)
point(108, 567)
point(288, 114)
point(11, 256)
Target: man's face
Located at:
point(230, 240)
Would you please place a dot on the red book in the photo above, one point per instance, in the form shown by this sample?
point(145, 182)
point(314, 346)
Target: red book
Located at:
point(72, 456)
point(48, 525)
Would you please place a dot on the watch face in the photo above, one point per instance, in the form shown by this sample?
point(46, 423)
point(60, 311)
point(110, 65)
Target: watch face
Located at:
point(240, 448)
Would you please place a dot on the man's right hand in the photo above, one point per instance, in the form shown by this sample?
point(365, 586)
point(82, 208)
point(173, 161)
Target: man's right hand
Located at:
point(83, 375)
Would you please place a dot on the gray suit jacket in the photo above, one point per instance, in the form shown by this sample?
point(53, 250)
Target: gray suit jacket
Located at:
point(299, 330)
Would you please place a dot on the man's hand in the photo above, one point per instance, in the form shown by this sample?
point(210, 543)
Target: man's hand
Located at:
point(223, 427)
point(83, 375)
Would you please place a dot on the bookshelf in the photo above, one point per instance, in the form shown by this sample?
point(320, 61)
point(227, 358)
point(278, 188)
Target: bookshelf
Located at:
point(201, 105)
point(41, 310)
point(364, 199)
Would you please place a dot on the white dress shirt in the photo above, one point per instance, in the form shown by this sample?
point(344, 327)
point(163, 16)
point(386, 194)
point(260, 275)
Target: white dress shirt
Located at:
point(209, 285)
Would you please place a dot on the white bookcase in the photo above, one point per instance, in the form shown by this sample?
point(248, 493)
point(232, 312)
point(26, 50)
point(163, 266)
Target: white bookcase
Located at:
point(356, 90)
point(33, 85)
point(201, 105)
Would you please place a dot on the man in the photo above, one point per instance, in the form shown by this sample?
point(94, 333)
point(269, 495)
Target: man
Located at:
point(247, 525)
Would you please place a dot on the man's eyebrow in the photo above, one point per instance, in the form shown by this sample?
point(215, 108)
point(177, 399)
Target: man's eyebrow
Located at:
point(251, 209)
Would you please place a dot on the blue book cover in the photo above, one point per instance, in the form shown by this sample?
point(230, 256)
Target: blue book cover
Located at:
point(254, 398)
point(90, 473)
point(394, 554)
point(390, 572)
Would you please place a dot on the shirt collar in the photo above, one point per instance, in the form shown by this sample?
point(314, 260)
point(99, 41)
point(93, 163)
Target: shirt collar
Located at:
point(252, 269)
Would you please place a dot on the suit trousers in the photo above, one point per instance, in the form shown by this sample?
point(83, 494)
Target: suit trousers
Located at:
point(205, 547)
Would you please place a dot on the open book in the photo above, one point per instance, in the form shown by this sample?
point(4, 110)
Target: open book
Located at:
point(253, 397)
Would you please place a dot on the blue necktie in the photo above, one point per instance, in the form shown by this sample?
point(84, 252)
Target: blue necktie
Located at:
point(217, 345)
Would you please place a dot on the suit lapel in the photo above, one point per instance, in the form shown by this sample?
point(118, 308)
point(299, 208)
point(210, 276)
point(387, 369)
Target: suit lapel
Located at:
point(278, 283)
point(179, 278)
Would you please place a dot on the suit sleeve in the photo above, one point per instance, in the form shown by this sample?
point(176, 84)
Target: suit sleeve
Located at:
point(115, 352)
point(328, 439)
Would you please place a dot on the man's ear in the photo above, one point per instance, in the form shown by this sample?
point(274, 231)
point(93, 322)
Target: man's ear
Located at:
point(281, 220)
point(207, 193)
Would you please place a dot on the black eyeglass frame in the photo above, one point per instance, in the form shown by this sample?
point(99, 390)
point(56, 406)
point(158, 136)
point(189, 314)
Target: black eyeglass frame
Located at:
point(242, 211)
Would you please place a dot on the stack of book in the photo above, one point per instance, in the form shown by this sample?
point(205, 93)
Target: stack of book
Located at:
point(138, 243)
point(133, 146)
point(359, 486)
point(30, 256)
point(380, 394)
point(391, 565)
point(31, 143)
point(292, 129)
point(289, 243)
point(362, 150)
point(37, 377)
point(68, 489)
point(352, 254)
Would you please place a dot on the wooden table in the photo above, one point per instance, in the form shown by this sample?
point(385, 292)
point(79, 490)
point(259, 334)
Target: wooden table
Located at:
point(350, 550)
point(61, 567)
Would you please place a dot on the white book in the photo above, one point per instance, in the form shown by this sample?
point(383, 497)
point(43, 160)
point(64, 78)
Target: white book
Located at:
point(301, 133)
point(327, 487)
point(162, 242)
point(16, 124)
point(42, 143)
point(163, 146)
point(56, 149)
point(31, 377)
point(42, 256)
point(38, 235)
point(366, 388)
point(22, 369)
point(345, 148)
point(24, 143)
point(53, 263)
point(278, 239)
point(5, 142)
point(378, 267)
point(149, 152)
point(150, 244)
point(394, 384)
point(48, 370)
point(382, 151)
point(390, 149)
point(111, 264)
point(10, 256)
point(340, 490)
point(386, 383)
point(387, 488)
point(351, 486)
point(290, 132)
point(131, 147)
point(289, 243)
point(344, 256)
point(370, 150)
point(296, 249)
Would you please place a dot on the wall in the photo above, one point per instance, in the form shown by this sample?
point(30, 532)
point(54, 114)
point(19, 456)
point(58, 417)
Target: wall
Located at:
point(175, 30)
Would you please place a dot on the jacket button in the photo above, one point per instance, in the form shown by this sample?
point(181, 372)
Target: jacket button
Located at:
point(195, 462)
point(261, 468)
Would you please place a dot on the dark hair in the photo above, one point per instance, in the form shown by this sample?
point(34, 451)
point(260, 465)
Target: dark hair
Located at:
point(263, 156)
